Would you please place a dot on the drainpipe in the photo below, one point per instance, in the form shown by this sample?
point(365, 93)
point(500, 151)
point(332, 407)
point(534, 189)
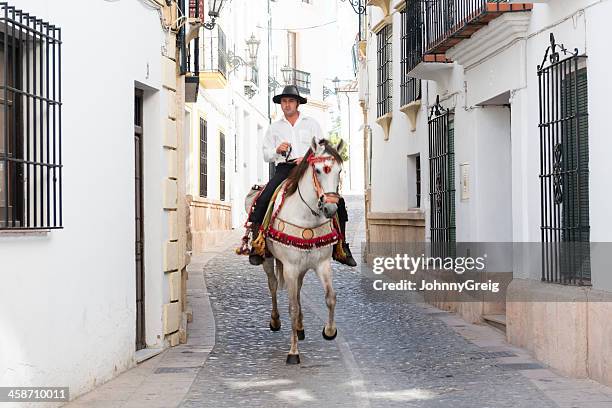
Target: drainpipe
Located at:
point(348, 108)
point(269, 50)
point(271, 165)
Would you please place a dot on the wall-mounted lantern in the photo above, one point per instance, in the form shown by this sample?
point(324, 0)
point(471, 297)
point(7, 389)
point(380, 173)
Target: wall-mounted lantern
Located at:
point(253, 48)
point(214, 10)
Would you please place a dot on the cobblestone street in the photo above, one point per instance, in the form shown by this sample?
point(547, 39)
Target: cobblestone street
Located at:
point(386, 354)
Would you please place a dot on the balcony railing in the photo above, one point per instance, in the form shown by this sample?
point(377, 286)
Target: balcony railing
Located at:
point(412, 39)
point(301, 79)
point(213, 51)
point(448, 22)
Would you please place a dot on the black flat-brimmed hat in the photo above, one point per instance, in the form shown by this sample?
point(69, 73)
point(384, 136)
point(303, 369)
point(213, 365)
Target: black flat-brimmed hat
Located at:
point(290, 91)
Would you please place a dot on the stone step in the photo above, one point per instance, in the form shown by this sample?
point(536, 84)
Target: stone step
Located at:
point(498, 321)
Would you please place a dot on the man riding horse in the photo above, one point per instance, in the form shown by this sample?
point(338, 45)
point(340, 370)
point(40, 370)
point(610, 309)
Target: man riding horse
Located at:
point(287, 141)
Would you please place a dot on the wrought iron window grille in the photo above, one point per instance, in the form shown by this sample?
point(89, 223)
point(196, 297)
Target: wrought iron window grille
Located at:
point(411, 51)
point(30, 122)
point(384, 88)
point(564, 166)
point(418, 180)
point(222, 166)
point(203, 158)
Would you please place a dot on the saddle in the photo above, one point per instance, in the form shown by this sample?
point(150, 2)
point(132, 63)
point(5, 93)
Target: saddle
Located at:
point(286, 233)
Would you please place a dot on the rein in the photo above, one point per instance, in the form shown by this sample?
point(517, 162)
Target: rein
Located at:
point(313, 212)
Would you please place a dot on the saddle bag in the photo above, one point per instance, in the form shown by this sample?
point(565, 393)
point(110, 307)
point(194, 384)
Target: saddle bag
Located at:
point(252, 196)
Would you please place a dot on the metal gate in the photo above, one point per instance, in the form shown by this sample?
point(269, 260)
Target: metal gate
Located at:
point(564, 166)
point(442, 180)
point(139, 220)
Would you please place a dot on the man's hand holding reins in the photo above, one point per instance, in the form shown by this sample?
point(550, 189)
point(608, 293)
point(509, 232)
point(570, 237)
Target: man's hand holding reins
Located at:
point(283, 147)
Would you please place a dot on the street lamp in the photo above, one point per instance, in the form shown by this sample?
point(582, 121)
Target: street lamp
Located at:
point(287, 74)
point(214, 9)
point(328, 92)
point(336, 82)
point(253, 48)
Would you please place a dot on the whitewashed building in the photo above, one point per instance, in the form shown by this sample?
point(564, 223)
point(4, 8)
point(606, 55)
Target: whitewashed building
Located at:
point(490, 118)
point(226, 126)
point(92, 237)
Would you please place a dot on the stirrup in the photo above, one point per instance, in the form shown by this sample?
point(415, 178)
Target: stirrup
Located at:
point(348, 256)
point(255, 259)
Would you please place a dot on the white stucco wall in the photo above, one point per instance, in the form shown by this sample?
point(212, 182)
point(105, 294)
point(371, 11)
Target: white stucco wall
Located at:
point(67, 301)
point(501, 144)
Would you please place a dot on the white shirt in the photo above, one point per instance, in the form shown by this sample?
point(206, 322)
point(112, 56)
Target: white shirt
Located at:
point(299, 136)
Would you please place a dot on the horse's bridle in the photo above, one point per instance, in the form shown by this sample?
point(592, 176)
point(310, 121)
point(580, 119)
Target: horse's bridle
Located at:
point(330, 197)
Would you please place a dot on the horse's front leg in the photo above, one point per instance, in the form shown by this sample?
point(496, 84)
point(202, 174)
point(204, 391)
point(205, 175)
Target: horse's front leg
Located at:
point(324, 272)
point(291, 278)
point(275, 322)
point(300, 327)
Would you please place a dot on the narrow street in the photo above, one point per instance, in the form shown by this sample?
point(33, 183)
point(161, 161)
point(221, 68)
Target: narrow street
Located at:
point(387, 353)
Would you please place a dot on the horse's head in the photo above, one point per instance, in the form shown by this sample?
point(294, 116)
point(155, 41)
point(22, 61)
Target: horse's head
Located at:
point(326, 165)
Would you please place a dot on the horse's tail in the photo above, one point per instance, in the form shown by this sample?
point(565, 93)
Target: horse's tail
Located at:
point(280, 276)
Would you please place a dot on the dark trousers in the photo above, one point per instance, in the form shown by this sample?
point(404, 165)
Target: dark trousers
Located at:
point(281, 173)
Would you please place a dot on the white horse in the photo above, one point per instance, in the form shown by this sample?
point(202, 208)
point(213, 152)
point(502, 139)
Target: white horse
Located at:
point(302, 236)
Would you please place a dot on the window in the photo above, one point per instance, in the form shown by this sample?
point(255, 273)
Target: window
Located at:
point(411, 51)
point(222, 51)
point(442, 180)
point(385, 65)
point(222, 166)
point(235, 152)
point(30, 122)
point(564, 167)
point(203, 158)
point(292, 49)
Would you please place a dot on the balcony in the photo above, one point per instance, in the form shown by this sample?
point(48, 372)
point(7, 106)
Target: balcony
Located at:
point(213, 59)
point(433, 27)
point(251, 81)
point(448, 22)
point(301, 79)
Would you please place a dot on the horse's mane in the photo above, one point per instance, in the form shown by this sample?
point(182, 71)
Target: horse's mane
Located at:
point(298, 172)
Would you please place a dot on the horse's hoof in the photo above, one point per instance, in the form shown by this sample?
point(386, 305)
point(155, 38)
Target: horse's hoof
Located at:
point(293, 359)
point(275, 328)
point(326, 337)
point(301, 334)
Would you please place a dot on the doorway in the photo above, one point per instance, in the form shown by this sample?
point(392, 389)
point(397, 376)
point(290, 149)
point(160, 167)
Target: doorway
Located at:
point(139, 219)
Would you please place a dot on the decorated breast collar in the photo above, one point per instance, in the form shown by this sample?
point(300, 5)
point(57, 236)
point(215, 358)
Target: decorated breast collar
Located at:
point(293, 235)
point(304, 238)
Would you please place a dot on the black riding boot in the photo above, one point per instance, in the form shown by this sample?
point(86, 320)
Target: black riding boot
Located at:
point(255, 259)
point(348, 260)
